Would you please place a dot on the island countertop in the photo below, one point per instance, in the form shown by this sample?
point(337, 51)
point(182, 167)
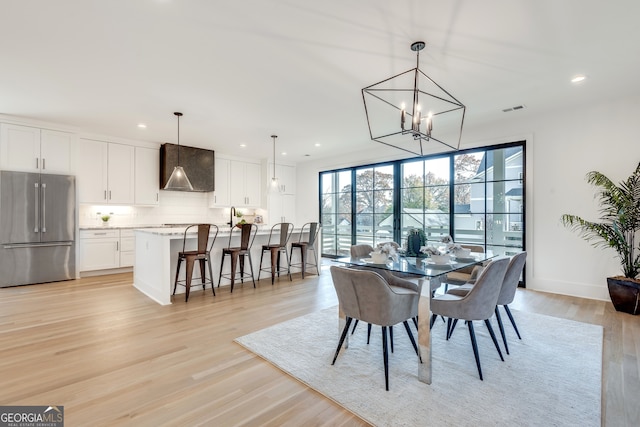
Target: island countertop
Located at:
point(156, 255)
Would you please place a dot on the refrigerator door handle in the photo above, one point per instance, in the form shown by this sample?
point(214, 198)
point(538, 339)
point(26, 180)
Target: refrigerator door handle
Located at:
point(44, 207)
point(35, 245)
point(37, 221)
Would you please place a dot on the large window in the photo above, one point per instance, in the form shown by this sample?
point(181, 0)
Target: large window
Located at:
point(476, 196)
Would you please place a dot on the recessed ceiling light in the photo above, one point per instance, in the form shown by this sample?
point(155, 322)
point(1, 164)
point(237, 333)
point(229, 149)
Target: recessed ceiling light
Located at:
point(142, 125)
point(243, 145)
point(284, 153)
point(317, 144)
point(578, 78)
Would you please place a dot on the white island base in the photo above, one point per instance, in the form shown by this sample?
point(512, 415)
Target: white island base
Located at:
point(156, 258)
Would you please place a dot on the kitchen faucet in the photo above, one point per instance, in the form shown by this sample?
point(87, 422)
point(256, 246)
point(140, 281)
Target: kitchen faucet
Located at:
point(232, 213)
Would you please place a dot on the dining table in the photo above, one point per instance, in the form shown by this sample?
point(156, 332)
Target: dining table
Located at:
point(428, 273)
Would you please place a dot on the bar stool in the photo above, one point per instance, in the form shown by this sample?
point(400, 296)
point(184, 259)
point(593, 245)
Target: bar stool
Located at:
point(310, 244)
point(202, 254)
point(247, 236)
point(283, 230)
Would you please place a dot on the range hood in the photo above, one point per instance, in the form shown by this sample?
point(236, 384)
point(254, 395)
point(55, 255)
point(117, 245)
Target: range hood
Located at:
point(198, 165)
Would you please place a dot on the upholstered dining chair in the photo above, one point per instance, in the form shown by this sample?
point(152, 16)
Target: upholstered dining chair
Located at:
point(478, 304)
point(202, 254)
point(507, 293)
point(462, 276)
point(363, 250)
point(366, 295)
point(358, 251)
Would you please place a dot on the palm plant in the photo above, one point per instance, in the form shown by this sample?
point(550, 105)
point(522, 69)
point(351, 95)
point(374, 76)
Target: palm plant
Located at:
point(619, 219)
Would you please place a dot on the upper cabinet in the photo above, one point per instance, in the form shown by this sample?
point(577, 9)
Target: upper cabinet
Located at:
point(147, 170)
point(220, 196)
point(286, 178)
point(31, 149)
point(245, 184)
point(105, 172)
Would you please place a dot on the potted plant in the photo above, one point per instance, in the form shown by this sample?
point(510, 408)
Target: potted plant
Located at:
point(617, 227)
point(415, 240)
point(105, 219)
point(241, 220)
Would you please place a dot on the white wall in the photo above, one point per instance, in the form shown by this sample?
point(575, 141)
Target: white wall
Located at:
point(562, 146)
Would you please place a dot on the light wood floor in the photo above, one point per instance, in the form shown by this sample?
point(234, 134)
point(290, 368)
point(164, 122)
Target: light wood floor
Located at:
point(113, 357)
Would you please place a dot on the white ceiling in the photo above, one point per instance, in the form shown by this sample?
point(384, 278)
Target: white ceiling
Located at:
point(243, 70)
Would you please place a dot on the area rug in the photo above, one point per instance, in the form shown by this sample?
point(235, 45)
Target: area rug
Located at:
point(552, 376)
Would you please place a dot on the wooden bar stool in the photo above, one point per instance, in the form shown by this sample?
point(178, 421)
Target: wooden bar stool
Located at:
point(247, 236)
point(202, 254)
point(312, 228)
point(277, 244)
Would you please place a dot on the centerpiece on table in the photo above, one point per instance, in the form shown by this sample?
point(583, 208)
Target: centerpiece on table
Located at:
point(382, 253)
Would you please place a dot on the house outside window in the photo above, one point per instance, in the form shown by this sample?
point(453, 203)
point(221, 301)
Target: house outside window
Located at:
point(477, 196)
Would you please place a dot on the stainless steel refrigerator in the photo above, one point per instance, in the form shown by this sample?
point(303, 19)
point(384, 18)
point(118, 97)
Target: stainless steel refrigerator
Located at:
point(37, 228)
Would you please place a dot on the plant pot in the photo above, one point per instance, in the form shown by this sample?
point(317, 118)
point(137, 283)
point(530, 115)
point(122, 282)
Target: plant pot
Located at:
point(625, 294)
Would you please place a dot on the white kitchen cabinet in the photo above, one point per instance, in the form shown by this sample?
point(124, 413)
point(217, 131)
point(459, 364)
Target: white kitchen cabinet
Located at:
point(31, 149)
point(127, 248)
point(105, 172)
point(147, 172)
point(245, 184)
point(106, 249)
point(220, 197)
point(286, 178)
point(99, 249)
point(282, 208)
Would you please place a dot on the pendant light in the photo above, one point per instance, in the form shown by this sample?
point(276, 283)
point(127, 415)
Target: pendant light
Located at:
point(178, 180)
point(274, 184)
point(428, 115)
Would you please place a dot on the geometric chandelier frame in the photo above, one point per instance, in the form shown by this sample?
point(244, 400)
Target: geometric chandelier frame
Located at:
point(410, 110)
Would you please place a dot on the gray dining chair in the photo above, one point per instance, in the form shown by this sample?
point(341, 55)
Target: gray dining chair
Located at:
point(478, 304)
point(366, 295)
point(358, 251)
point(507, 293)
point(462, 276)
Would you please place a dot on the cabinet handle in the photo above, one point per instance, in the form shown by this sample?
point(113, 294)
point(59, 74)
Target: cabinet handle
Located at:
point(157, 197)
point(109, 194)
point(43, 163)
point(117, 246)
point(105, 194)
point(99, 234)
point(37, 164)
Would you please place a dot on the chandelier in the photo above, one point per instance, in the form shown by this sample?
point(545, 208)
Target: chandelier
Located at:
point(409, 110)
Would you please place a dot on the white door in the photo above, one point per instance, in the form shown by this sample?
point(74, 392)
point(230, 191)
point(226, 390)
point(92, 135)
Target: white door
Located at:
point(55, 151)
point(253, 184)
point(99, 254)
point(147, 172)
point(19, 148)
point(120, 167)
point(91, 171)
point(221, 193)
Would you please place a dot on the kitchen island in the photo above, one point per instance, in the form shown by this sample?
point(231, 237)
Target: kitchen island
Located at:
point(156, 255)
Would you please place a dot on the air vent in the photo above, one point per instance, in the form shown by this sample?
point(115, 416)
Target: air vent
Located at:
point(517, 107)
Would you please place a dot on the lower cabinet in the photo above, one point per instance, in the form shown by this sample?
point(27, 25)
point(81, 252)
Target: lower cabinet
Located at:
point(106, 249)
